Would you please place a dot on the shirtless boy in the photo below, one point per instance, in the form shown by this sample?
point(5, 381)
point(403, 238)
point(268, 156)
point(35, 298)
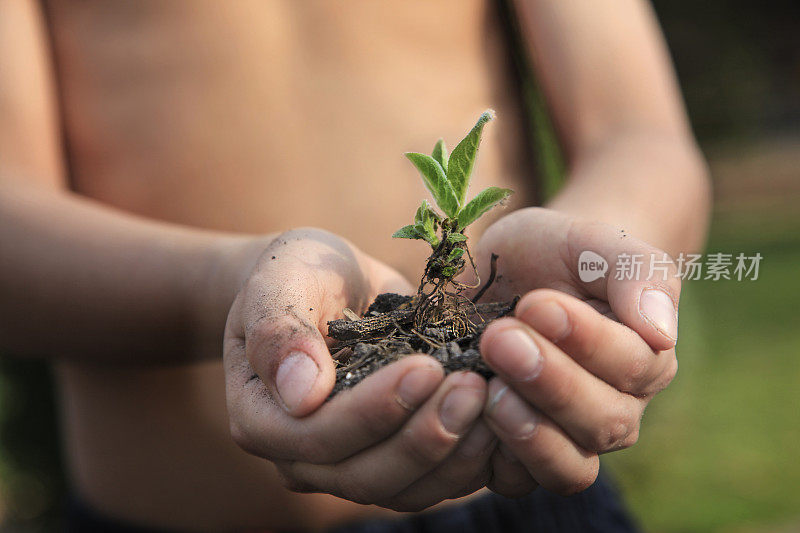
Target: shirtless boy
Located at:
point(151, 153)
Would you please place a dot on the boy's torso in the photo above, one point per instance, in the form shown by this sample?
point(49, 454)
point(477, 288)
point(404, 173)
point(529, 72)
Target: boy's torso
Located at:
point(256, 117)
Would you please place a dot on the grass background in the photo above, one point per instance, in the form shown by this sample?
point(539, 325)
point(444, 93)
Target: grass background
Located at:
point(718, 449)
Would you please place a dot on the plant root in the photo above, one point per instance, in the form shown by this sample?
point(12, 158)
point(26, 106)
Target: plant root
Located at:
point(439, 321)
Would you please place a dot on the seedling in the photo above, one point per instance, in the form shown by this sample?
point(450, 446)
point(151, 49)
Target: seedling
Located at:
point(448, 178)
point(440, 319)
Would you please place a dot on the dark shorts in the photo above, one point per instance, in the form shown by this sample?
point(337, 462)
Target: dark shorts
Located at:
point(596, 510)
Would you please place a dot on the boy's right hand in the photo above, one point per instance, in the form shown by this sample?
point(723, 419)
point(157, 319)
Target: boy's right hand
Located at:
point(405, 438)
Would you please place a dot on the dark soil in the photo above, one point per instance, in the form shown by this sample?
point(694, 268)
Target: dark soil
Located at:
point(386, 333)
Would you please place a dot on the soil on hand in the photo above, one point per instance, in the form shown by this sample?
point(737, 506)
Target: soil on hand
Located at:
point(387, 332)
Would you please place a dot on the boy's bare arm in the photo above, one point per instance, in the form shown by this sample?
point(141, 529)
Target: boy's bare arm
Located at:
point(79, 280)
point(574, 379)
point(632, 159)
point(82, 281)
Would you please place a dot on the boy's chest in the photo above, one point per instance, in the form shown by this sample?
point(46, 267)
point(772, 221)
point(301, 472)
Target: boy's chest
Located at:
point(256, 116)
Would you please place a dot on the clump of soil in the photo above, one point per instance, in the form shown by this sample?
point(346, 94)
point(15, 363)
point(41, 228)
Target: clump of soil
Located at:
point(390, 329)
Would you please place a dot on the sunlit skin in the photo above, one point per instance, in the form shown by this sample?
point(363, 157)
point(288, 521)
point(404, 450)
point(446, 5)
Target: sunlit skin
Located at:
point(150, 154)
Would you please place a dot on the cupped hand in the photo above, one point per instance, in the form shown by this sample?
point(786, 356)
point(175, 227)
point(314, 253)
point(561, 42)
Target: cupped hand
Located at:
point(405, 438)
point(578, 363)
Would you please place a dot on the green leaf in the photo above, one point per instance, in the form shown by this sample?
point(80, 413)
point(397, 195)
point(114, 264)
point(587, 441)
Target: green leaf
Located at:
point(426, 232)
point(406, 232)
point(440, 154)
point(428, 235)
point(425, 214)
point(485, 200)
point(436, 181)
point(455, 254)
point(425, 223)
point(462, 160)
point(456, 237)
point(419, 216)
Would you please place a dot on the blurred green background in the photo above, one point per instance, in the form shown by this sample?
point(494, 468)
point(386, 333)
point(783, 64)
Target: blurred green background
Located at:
point(717, 449)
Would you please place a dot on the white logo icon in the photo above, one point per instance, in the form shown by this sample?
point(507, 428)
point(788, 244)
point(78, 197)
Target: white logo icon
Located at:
point(591, 266)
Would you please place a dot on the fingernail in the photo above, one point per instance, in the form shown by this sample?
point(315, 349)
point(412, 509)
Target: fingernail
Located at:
point(657, 307)
point(549, 319)
point(496, 391)
point(416, 386)
point(515, 354)
point(478, 441)
point(509, 412)
point(460, 408)
point(295, 378)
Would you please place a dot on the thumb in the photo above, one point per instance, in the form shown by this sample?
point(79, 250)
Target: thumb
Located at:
point(289, 354)
point(305, 279)
point(640, 283)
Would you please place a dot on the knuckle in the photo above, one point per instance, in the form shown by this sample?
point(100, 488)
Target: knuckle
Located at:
point(611, 434)
point(631, 439)
point(606, 438)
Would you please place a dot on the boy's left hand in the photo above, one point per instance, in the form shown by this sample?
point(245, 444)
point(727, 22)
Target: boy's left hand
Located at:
point(579, 362)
